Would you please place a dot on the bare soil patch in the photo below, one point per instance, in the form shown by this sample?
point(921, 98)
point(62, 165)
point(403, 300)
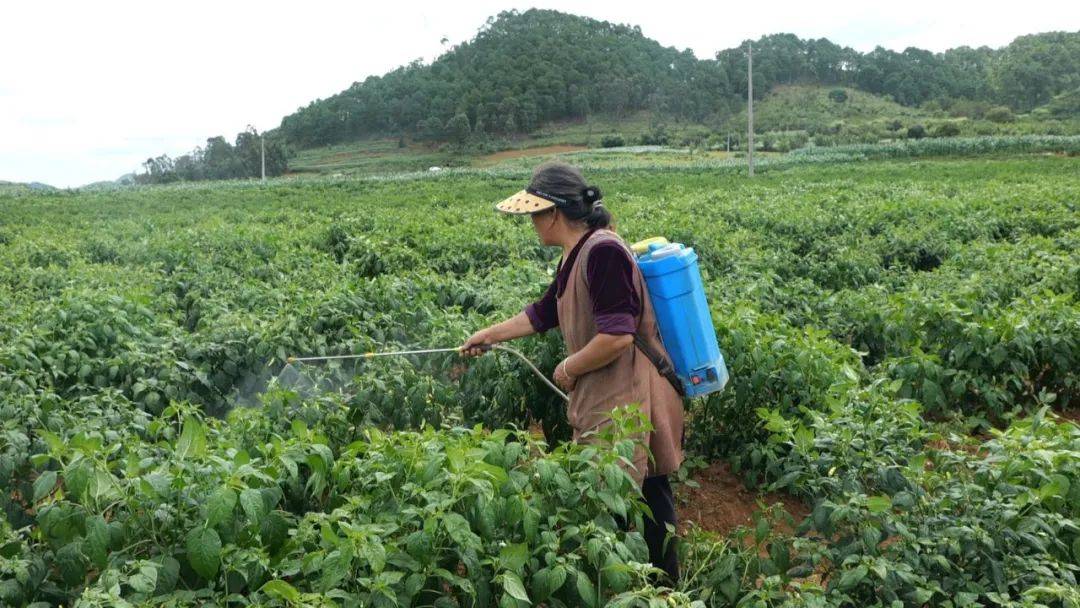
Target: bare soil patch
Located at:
point(491, 159)
point(722, 503)
point(1070, 414)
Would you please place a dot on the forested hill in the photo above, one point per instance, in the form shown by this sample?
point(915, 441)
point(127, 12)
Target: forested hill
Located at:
point(526, 69)
point(520, 71)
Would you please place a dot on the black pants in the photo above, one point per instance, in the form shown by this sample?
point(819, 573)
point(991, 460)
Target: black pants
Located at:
point(658, 495)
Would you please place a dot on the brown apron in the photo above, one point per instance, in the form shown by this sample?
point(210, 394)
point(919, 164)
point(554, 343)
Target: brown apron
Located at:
point(629, 379)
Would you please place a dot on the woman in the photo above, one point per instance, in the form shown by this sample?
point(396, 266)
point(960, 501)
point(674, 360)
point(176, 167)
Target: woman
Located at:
point(599, 301)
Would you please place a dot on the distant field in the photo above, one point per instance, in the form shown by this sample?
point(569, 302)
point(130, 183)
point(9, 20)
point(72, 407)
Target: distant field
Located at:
point(385, 156)
point(790, 117)
point(365, 157)
point(498, 157)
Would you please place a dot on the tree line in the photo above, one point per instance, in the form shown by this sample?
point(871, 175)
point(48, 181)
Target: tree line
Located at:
point(218, 160)
point(523, 70)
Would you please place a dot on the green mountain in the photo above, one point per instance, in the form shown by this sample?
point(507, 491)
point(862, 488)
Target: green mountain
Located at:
point(525, 70)
point(520, 71)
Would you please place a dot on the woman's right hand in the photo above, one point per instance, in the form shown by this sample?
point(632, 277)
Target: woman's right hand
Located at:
point(475, 345)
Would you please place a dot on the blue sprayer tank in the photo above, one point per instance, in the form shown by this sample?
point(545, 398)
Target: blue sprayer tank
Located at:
point(682, 313)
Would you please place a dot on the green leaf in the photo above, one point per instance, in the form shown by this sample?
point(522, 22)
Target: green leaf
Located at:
point(168, 574)
point(800, 571)
point(761, 530)
point(540, 584)
point(219, 509)
point(44, 484)
point(375, 553)
point(275, 530)
point(804, 439)
point(851, 578)
point(192, 440)
point(904, 499)
point(615, 574)
point(514, 556)
point(786, 480)
point(102, 486)
point(933, 394)
point(458, 529)
point(512, 584)
point(594, 551)
point(252, 502)
point(531, 524)
point(879, 504)
point(729, 588)
point(204, 551)
point(919, 596)
point(71, 563)
point(335, 568)
point(1058, 486)
point(145, 580)
point(281, 590)
point(780, 555)
point(586, 590)
point(96, 545)
point(413, 584)
point(557, 579)
point(547, 581)
point(870, 537)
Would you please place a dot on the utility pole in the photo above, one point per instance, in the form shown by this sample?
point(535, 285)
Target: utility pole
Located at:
point(262, 146)
point(750, 107)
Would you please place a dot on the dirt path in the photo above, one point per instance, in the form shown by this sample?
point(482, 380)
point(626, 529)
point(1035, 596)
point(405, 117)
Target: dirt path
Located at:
point(722, 503)
point(491, 159)
point(1071, 414)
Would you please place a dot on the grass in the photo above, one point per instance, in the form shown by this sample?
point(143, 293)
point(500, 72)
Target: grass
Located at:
point(368, 156)
point(790, 108)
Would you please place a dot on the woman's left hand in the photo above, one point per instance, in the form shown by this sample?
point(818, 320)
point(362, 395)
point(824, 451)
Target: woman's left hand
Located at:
point(563, 378)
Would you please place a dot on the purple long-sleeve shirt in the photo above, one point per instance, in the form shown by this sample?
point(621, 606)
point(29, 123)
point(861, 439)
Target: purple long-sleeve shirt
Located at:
point(609, 273)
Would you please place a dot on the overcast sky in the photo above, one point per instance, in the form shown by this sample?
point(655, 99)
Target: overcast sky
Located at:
point(88, 90)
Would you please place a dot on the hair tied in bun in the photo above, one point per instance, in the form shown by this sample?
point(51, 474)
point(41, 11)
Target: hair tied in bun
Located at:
point(590, 195)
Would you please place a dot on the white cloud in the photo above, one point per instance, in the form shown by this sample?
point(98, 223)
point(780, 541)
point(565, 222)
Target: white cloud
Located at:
point(88, 90)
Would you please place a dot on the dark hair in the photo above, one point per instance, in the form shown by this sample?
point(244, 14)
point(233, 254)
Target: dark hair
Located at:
point(583, 202)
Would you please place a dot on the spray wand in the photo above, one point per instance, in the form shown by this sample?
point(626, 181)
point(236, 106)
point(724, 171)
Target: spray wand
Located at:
point(428, 351)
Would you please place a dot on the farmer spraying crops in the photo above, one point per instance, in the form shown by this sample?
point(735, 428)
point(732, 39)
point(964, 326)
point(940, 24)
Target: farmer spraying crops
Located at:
point(600, 302)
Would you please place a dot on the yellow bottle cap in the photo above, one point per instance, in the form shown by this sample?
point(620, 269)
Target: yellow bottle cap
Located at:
point(642, 247)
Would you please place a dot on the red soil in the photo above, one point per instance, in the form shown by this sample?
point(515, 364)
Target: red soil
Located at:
point(721, 503)
point(491, 159)
point(1073, 415)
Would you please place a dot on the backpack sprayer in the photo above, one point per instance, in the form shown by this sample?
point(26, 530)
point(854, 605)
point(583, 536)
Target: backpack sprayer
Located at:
point(682, 316)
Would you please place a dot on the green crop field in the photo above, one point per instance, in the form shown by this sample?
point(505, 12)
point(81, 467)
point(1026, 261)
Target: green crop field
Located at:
point(903, 336)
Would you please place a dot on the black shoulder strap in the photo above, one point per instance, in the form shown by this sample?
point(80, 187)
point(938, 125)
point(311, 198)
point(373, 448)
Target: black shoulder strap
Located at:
point(663, 365)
